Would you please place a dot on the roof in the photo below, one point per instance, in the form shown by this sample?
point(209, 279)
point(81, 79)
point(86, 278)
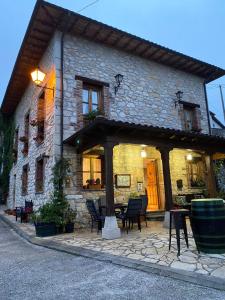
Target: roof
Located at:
point(124, 132)
point(213, 116)
point(47, 17)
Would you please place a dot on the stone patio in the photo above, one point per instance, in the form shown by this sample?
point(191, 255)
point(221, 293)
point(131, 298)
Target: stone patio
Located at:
point(149, 245)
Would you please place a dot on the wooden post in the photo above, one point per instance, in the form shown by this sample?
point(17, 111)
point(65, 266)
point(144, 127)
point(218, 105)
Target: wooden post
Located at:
point(165, 157)
point(108, 150)
point(211, 178)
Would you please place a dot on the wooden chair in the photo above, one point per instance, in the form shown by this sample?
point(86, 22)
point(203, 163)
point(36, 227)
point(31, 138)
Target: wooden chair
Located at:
point(95, 215)
point(132, 214)
point(23, 212)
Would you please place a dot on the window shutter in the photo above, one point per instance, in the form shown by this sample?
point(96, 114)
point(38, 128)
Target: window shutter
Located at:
point(39, 175)
point(197, 120)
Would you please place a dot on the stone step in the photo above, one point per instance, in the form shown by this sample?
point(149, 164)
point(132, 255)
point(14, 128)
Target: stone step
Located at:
point(156, 215)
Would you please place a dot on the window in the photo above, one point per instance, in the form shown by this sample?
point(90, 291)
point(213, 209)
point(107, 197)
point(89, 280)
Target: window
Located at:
point(39, 175)
point(93, 175)
point(191, 116)
point(25, 179)
point(25, 138)
point(91, 99)
point(41, 118)
point(196, 173)
point(188, 118)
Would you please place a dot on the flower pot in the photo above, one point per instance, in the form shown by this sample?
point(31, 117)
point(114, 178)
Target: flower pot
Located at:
point(45, 229)
point(69, 228)
point(59, 229)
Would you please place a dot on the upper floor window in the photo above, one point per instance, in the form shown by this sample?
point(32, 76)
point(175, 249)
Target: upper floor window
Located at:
point(91, 99)
point(25, 138)
point(40, 121)
point(25, 179)
point(39, 175)
point(191, 117)
point(15, 145)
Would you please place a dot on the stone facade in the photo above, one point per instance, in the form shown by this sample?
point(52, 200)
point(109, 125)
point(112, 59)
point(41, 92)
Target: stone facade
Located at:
point(28, 103)
point(146, 96)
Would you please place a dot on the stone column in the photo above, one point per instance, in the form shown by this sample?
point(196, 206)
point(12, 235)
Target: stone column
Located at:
point(165, 157)
point(211, 178)
point(110, 230)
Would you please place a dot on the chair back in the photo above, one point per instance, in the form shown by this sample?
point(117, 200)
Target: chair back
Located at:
point(92, 209)
point(102, 205)
point(144, 199)
point(134, 207)
point(28, 206)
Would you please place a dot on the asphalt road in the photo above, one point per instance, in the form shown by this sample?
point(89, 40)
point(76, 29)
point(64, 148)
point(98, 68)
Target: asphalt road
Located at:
point(32, 272)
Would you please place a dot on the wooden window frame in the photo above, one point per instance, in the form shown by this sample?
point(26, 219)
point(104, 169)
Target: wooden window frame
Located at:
point(24, 186)
point(39, 190)
point(40, 135)
point(99, 91)
point(92, 172)
point(195, 122)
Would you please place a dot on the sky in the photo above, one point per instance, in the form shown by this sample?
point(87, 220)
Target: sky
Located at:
point(193, 27)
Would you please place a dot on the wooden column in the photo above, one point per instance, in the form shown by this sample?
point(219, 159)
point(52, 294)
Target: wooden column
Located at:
point(108, 150)
point(211, 178)
point(165, 157)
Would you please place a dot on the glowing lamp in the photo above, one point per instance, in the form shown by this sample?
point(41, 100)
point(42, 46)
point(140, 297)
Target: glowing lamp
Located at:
point(189, 157)
point(143, 153)
point(37, 76)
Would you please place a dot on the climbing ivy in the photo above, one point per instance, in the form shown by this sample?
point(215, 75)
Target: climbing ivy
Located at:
point(6, 151)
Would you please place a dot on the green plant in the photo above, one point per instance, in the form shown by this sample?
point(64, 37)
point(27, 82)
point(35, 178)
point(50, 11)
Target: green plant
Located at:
point(93, 114)
point(55, 210)
point(70, 216)
point(7, 130)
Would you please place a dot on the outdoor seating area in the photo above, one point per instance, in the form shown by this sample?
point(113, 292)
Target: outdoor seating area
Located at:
point(129, 213)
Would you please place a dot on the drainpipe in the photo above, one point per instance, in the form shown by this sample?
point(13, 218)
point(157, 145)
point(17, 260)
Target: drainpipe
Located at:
point(207, 107)
point(62, 95)
point(62, 84)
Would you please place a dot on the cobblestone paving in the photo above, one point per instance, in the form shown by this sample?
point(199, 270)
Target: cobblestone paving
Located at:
point(150, 245)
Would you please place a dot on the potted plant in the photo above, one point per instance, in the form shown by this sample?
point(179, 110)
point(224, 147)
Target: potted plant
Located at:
point(70, 217)
point(91, 116)
point(50, 218)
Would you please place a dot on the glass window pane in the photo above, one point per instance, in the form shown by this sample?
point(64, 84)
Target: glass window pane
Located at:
point(86, 165)
point(94, 97)
point(97, 165)
point(85, 108)
point(85, 96)
point(94, 107)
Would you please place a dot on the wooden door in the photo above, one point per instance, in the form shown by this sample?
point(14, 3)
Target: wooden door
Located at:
point(152, 186)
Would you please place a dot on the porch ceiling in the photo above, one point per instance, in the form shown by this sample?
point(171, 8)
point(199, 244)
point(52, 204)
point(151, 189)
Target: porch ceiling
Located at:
point(47, 18)
point(102, 129)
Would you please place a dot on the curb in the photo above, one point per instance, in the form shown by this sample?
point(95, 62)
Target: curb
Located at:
point(198, 279)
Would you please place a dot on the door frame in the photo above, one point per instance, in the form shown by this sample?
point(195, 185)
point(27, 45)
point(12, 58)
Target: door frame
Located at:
point(155, 160)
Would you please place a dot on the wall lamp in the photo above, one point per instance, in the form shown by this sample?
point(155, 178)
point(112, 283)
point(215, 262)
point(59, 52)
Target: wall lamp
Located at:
point(119, 79)
point(38, 77)
point(179, 96)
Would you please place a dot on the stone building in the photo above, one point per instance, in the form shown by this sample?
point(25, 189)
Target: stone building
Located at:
point(130, 115)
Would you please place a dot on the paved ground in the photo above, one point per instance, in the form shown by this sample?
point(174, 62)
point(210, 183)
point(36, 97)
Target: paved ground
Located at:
point(31, 272)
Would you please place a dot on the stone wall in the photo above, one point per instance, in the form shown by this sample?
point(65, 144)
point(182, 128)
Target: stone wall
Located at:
point(29, 103)
point(179, 170)
point(147, 92)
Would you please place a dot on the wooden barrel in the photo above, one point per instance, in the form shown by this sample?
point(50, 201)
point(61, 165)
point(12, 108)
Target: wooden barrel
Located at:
point(208, 224)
